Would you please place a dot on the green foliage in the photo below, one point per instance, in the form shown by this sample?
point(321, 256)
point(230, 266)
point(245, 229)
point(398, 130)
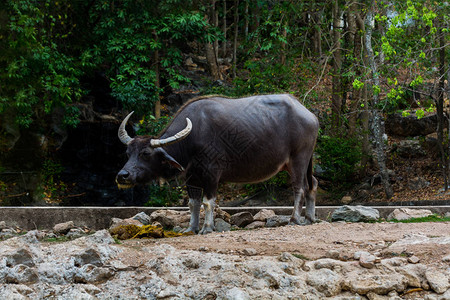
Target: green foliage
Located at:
point(47, 47)
point(150, 126)
point(264, 77)
point(39, 74)
point(357, 85)
point(129, 34)
point(165, 195)
point(406, 44)
point(53, 188)
point(339, 157)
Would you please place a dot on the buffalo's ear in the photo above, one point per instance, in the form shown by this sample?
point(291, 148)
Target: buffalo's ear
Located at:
point(166, 158)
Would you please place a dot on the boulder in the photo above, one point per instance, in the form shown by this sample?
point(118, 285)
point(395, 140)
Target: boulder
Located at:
point(263, 215)
point(63, 228)
point(88, 256)
point(221, 225)
point(170, 218)
point(409, 149)
point(414, 259)
point(438, 281)
point(417, 183)
point(92, 274)
point(143, 218)
point(116, 222)
point(408, 213)
point(415, 274)
point(367, 260)
point(20, 257)
point(325, 281)
point(242, 219)
point(398, 125)
point(22, 274)
point(355, 214)
point(3, 225)
point(378, 284)
point(276, 221)
point(75, 233)
point(221, 214)
point(256, 224)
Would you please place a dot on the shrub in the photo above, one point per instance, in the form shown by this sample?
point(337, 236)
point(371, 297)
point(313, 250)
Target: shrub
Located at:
point(339, 157)
point(164, 195)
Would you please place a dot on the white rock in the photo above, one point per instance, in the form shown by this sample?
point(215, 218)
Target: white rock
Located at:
point(237, 294)
point(63, 228)
point(249, 251)
point(263, 215)
point(408, 213)
point(143, 218)
point(438, 281)
point(325, 281)
point(378, 284)
point(367, 260)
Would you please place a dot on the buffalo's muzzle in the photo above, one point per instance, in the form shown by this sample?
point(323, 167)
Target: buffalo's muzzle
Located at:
point(123, 180)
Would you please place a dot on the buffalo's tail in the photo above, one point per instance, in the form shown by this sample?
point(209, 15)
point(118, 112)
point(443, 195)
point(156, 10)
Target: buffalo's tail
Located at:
point(309, 174)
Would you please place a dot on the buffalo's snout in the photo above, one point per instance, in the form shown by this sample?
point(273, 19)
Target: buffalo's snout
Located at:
point(123, 176)
point(123, 179)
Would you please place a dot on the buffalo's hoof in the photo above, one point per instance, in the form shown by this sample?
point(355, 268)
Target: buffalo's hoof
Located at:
point(206, 230)
point(190, 230)
point(295, 222)
point(309, 221)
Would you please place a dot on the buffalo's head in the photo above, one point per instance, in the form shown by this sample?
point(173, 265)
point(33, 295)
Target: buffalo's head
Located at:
point(147, 160)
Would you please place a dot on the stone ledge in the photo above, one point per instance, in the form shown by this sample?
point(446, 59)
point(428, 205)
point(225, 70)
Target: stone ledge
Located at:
point(96, 218)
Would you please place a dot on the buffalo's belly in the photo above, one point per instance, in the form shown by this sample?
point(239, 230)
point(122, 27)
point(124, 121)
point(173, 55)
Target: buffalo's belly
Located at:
point(254, 172)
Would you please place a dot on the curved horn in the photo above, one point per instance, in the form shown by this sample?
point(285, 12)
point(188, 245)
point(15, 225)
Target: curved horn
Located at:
point(173, 139)
point(123, 135)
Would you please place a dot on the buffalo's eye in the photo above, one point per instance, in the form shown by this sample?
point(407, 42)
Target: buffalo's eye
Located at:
point(146, 153)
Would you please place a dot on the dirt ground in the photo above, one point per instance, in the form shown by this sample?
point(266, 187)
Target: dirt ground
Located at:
point(321, 240)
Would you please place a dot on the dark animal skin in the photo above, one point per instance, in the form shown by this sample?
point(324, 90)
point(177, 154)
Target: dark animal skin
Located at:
point(242, 140)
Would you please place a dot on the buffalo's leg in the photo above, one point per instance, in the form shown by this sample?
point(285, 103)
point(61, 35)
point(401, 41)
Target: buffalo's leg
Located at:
point(195, 196)
point(194, 207)
point(298, 169)
point(299, 198)
point(208, 225)
point(310, 215)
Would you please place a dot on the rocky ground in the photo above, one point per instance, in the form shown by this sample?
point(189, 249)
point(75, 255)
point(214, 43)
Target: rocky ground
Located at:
point(337, 260)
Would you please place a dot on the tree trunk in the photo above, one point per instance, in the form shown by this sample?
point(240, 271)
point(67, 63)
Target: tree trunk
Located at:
point(317, 38)
point(364, 116)
point(211, 57)
point(440, 108)
point(246, 19)
point(354, 42)
point(157, 83)
point(224, 29)
point(216, 24)
point(256, 16)
point(283, 45)
point(336, 95)
point(377, 123)
point(236, 28)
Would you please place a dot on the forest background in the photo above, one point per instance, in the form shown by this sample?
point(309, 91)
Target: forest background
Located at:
point(70, 70)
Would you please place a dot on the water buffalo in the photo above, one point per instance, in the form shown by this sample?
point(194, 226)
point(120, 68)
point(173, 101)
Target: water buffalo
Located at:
point(216, 139)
